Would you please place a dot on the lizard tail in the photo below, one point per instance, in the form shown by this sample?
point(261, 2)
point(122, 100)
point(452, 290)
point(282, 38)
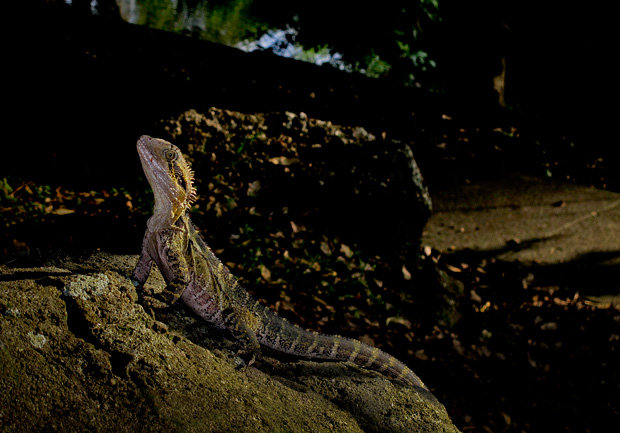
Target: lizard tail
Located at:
point(283, 336)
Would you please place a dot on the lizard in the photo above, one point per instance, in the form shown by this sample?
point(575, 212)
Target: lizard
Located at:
point(194, 274)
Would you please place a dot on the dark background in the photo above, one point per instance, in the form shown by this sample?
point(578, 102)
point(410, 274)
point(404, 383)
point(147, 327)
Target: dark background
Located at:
point(90, 85)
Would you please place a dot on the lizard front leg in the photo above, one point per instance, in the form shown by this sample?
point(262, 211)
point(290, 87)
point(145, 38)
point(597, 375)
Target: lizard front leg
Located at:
point(176, 272)
point(143, 269)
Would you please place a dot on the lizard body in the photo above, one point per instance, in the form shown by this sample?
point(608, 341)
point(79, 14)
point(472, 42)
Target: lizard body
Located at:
point(194, 274)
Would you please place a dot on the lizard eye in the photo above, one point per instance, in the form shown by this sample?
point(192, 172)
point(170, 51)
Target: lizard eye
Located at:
point(169, 154)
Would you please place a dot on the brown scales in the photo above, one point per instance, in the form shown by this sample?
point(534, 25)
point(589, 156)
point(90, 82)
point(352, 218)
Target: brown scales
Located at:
point(193, 273)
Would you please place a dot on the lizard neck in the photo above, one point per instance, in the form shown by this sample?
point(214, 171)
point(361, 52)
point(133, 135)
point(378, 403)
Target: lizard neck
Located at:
point(164, 215)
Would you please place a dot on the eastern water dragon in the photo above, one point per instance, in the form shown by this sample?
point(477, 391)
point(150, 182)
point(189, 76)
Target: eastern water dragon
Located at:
point(194, 274)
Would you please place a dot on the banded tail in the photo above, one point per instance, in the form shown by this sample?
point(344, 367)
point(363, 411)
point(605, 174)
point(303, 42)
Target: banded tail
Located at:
point(281, 335)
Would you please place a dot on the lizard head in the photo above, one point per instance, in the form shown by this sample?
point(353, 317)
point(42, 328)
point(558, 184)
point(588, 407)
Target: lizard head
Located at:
point(170, 177)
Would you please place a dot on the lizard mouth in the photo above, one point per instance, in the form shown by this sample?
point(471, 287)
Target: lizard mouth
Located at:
point(150, 163)
point(143, 148)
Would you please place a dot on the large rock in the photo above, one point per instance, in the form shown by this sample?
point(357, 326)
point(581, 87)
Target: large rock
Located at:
point(362, 187)
point(78, 353)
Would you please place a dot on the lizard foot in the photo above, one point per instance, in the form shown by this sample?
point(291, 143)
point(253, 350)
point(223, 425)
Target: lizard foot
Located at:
point(151, 302)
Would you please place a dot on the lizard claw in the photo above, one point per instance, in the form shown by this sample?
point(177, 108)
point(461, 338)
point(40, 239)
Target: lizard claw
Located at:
point(249, 357)
point(252, 360)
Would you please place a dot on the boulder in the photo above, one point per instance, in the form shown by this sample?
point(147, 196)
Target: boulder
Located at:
point(367, 189)
point(78, 353)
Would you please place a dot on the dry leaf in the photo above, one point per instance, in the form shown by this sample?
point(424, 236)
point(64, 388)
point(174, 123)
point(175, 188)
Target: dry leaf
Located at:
point(253, 188)
point(297, 228)
point(507, 418)
point(283, 160)
point(326, 248)
point(549, 326)
point(400, 320)
point(406, 273)
point(344, 249)
point(265, 273)
point(453, 268)
point(421, 355)
point(475, 297)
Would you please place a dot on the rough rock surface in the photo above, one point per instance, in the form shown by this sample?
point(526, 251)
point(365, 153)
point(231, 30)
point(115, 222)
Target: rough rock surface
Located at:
point(78, 353)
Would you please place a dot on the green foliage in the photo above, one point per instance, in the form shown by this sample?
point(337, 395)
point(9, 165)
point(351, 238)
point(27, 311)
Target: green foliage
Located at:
point(313, 54)
point(229, 23)
point(352, 36)
point(6, 188)
point(222, 22)
point(369, 39)
point(374, 66)
point(156, 14)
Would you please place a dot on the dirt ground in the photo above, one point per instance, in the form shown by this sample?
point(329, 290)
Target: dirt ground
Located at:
point(535, 222)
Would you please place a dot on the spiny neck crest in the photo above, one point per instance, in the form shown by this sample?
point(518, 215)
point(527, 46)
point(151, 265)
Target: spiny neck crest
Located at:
point(170, 177)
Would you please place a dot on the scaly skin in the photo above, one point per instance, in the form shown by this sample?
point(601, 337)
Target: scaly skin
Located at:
point(194, 274)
